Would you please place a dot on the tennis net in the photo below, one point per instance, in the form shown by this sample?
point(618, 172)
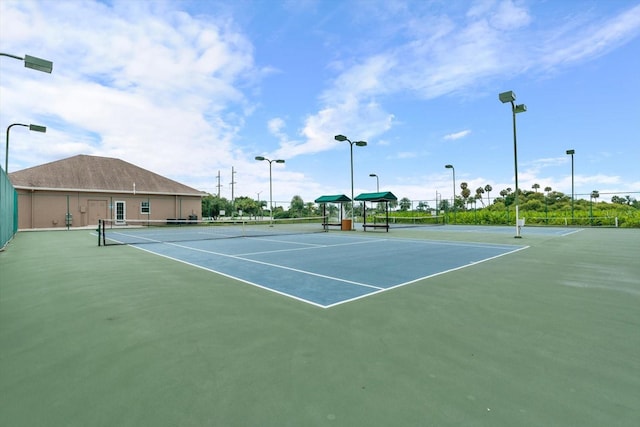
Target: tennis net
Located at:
point(133, 232)
point(410, 221)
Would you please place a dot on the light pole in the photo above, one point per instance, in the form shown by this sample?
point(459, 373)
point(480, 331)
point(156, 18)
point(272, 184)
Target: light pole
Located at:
point(454, 190)
point(571, 153)
point(33, 62)
point(520, 108)
point(270, 182)
point(35, 128)
point(377, 181)
point(259, 205)
point(359, 144)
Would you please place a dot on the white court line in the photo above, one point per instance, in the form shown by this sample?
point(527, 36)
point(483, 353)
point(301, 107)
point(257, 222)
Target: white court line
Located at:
point(315, 246)
point(130, 235)
point(428, 277)
point(377, 288)
point(572, 232)
point(266, 288)
point(277, 266)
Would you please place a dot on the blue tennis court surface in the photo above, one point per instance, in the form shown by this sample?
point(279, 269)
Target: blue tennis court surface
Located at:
point(502, 229)
point(328, 269)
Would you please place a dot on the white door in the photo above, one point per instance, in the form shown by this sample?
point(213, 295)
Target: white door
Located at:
point(120, 212)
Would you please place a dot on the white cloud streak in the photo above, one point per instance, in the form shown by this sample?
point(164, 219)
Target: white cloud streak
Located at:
point(457, 135)
point(448, 58)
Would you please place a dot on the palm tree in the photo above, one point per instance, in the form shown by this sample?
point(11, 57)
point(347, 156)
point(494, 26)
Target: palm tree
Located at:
point(465, 191)
point(405, 204)
point(535, 187)
point(297, 206)
point(546, 203)
point(479, 193)
point(309, 208)
point(488, 189)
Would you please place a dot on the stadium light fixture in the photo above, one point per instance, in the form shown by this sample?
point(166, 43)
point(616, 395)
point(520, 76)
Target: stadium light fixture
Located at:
point(34, 128)
point(571, 153)
point(33, 62)
point(454, 189)
point(510, 97)
point(351, 143)
point(372, 175)
point(261, 158)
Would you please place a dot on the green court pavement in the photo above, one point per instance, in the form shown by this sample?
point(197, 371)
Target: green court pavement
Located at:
point(548, 336)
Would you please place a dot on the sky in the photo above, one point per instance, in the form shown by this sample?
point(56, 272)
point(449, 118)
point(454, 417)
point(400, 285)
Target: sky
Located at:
point(194, 90)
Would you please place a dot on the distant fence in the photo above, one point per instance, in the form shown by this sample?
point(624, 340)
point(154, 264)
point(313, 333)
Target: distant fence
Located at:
point(8, 210)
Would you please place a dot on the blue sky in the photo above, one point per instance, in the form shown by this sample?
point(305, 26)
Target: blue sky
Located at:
point(188, 89)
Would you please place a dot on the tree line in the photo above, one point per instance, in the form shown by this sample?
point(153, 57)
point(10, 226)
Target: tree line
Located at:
point(533, 203)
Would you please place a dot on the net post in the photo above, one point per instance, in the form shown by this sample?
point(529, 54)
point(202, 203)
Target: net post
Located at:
point(99, 231)
point(103, 233)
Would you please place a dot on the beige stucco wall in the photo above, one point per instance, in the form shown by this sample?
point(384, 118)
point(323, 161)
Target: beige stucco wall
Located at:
point(46, 209)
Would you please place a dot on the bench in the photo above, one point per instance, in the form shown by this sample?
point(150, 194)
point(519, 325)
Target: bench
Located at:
point(365, 226)
point(176, 221)
point(331, 224)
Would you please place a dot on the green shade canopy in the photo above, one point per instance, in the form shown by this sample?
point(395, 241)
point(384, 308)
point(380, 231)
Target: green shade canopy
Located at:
point(383, 196)
point(338, 198)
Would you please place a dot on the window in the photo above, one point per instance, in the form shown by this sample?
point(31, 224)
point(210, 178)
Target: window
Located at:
point(145, 208)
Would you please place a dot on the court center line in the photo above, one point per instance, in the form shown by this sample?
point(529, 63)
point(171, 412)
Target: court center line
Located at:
point(302, 249)
point(278, 266)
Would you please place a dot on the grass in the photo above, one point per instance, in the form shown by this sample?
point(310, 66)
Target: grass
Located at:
point(116, 336)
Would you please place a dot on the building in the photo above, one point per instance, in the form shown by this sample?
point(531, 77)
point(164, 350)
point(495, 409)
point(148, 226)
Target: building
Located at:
point(80, 190)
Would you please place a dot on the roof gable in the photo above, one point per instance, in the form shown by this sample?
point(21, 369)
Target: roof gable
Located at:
point(93, 173)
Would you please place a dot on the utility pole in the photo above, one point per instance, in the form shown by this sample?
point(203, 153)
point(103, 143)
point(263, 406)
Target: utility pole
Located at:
point(233, 182)
point(218, 184)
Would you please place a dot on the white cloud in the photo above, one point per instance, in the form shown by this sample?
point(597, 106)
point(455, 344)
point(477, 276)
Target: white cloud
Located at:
point(508, 16)
point(140, 77)
point(442, 58)
point(457, 135)
point(571, 44)
point(275, 127)
point(173, 91)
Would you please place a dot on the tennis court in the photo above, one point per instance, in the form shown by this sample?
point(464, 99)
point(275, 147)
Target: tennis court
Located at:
point(468, 328)
point(325, 269)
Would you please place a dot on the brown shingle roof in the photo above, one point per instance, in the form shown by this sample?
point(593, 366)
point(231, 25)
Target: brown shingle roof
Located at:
point(92, 173)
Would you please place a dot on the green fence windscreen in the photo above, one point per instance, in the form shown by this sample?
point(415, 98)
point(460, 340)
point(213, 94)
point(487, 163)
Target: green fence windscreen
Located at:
point(8, 209)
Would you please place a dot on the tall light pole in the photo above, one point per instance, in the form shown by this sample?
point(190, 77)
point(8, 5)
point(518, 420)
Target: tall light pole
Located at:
point(35, 128)
point(33, 62)
point(359, 144)
point(520, 108)
point(372, 175)
point(270, 182)
point(454, 189)
point(571, 153)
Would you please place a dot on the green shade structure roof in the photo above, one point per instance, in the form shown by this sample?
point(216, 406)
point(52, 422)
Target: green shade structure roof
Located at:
point(383, 196)
point(338, 198)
